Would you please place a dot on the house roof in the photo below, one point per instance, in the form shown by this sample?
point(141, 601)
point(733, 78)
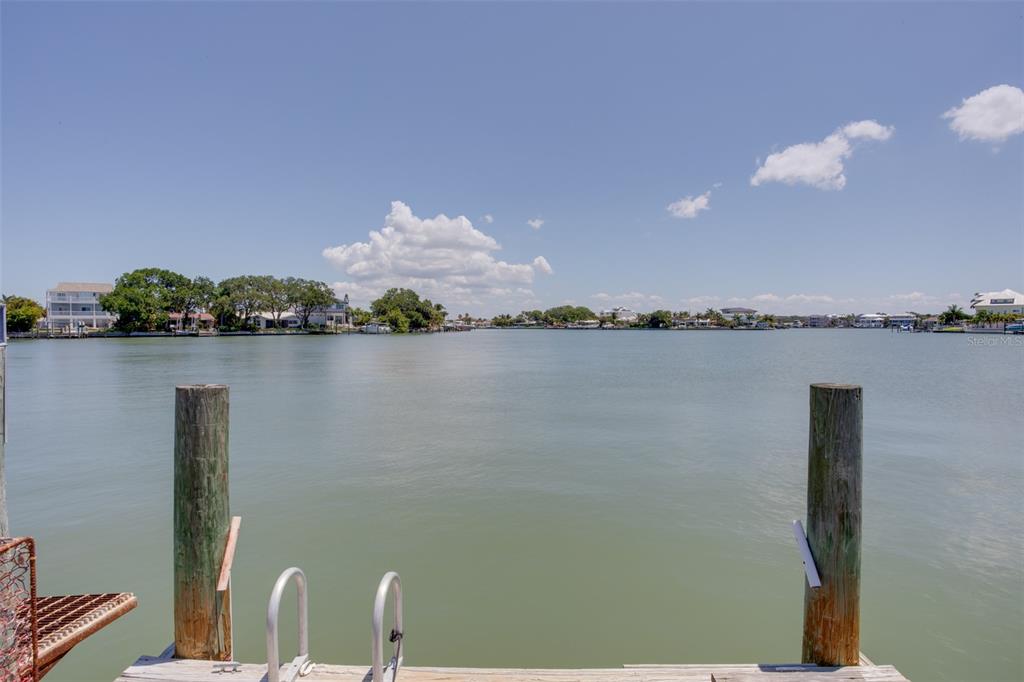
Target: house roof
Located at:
point(73, 287)
point(1006, 296)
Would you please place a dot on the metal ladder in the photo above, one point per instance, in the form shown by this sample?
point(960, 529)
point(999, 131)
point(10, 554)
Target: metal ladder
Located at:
point(301, 665)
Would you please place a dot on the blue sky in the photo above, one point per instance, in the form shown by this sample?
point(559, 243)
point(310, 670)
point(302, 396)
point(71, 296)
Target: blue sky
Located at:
point(222, 139)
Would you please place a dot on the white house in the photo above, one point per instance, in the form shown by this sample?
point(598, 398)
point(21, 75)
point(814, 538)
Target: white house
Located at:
point(74, 305)
point(620, 314)
point(265, 320)
point(1005, 301)
point(903, 320)
point(870, 321)
point(336, 315)
point(744, 315)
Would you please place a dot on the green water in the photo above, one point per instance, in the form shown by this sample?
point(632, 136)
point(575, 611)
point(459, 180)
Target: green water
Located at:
point(549, 498)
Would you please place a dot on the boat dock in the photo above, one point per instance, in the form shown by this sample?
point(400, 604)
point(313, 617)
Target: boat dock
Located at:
point(152, 669)
point(205, 537)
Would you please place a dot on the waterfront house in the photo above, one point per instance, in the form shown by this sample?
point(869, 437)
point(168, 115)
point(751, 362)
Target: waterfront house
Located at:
point(819, 321)
point(870, 321)
point(1005, 301)
point(903, 320)
point(76, 305)
point(191, 321)
point(338, 314)
point(930, 323)
point(745, 316)
point(620, 314)
point(265, 320)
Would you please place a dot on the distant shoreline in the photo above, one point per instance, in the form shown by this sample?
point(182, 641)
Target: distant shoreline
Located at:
point(22, 336)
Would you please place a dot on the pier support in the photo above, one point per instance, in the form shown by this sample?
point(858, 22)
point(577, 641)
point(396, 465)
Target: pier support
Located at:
point(5, 530)
point(832, 611)
point(202, 615)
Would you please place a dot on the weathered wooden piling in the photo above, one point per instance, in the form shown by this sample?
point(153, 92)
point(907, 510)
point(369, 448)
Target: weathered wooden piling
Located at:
point(202, 615)
point(4, 528)
point(832, 611)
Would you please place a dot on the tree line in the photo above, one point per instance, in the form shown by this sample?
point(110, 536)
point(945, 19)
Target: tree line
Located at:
point(144, 299)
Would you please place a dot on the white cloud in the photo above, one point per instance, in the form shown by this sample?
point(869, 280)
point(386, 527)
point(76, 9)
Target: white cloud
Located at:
point(540, 264)
point(689, 207)
point(913, 296)
point(631, 299)
point(819, 164)
point(444, 258)
point(810, 298)
point(990, 116)
point(535, 223)
point(488, 218)
point(871, 130)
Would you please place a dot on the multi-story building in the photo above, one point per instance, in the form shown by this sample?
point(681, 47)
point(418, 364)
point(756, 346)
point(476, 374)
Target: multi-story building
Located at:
point(1005, 301)
point(76, 305)
point(819, 321)
point(870, 321)
point(620, 314)
point(744, 315)
point(903, 320)
point(338, 314)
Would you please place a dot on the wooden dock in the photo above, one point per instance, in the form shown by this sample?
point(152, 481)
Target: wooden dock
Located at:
point(154, 669)
point(205, 541)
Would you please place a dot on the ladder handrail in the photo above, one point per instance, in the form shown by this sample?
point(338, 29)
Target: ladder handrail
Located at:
point(389, 583)
point(273, 607)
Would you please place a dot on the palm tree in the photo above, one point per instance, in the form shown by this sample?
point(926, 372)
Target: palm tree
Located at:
point(952, 315)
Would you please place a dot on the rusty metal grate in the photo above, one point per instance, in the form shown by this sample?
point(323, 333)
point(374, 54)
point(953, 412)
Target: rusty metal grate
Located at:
point(65, 621)
point(18, 618)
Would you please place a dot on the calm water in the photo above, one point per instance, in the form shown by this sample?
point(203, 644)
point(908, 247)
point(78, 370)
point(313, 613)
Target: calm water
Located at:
point(549, 498)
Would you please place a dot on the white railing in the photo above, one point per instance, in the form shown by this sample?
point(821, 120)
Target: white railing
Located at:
point(390, 582)
point(301, 664)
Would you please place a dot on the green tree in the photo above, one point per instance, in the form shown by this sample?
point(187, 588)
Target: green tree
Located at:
point(983, 317)
point(397, 320)
point(307, 297)
point(360, 316)
point(418, 313)
point(198, 295)
point(715, 316)
point(143, 298)
point(660, 319)
point(439, 316)
point(275, 296)
point(565, 314)
point(502, 321)
point(239, 297)
point(952, 315)
point(22, 313)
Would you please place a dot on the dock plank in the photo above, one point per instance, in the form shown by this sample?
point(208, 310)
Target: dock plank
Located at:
point(154, 669)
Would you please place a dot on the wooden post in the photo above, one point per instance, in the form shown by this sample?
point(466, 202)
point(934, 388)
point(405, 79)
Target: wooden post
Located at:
point(5, 529)
point(202, 616)
point(832, 611)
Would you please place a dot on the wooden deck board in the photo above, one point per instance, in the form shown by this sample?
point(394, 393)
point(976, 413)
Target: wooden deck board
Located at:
point(153, 669)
